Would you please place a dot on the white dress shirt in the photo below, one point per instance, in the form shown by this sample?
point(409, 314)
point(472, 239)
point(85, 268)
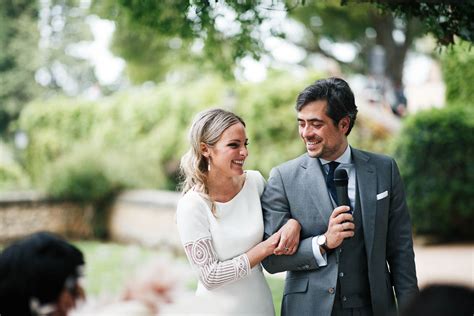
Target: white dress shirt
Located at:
point(345, 161)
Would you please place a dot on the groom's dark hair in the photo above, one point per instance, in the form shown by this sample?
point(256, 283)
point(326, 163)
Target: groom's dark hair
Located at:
point(338, 95)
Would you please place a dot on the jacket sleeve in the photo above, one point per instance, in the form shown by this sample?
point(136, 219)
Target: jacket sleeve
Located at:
point(193, 228)
point(276, 212)
point(400, 255)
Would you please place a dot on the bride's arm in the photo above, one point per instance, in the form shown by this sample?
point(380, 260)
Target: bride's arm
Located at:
point(214, 273)
point(263, 249)
point(211, 272)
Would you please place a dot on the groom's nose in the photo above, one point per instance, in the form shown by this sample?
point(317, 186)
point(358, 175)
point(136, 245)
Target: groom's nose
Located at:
point(307, 131)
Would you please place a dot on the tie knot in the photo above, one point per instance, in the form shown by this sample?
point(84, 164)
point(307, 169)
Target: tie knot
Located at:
point(332, 166)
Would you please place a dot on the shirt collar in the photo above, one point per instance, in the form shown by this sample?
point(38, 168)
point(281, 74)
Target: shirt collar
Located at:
point(345, 158)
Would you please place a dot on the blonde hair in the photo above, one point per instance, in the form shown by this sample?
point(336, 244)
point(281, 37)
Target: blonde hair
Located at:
point(207, 127)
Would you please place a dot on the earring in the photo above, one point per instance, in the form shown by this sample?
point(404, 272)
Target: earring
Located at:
point(209, 164)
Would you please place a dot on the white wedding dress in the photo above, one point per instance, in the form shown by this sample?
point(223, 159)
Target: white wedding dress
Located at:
point(216, 247)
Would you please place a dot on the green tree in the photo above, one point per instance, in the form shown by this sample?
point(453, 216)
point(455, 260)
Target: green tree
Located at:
point(152, 56)
point(354, 22)
point(444, 19)
point(18, 57)
point(183, 32)
point(35, 48)
point(229, 30)
point(63, 24)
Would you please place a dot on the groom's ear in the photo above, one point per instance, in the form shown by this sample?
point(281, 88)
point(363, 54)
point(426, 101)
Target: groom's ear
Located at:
point(205, 150)
point(344, 124)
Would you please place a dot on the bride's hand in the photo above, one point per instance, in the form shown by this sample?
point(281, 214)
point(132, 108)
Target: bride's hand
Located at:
point(271, 243)
point(289, 239)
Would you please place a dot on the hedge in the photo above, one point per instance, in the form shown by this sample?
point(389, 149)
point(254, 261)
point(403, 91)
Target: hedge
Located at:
point(434, 152)
point(12, 175)
point(458, 72)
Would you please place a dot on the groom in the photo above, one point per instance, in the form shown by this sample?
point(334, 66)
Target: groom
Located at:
point(349, 262)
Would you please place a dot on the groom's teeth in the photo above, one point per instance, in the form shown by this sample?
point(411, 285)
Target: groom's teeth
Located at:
point(240, 162)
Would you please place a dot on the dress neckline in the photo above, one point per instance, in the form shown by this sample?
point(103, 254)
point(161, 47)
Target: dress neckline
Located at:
point(238, 193)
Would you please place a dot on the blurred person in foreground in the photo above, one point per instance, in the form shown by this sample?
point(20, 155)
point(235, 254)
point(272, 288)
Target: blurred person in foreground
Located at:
point(220, 218)
point(350, 261)
point(40, 275)
point(442, 300)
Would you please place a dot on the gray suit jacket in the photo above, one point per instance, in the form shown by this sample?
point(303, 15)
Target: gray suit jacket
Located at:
point(297, 189)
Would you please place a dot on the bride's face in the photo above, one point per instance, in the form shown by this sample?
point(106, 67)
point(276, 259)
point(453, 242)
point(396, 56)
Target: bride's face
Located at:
point(228, 155)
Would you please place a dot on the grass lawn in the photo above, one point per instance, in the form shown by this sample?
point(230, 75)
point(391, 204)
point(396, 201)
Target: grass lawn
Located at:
point(276, 286)
point(109, 265)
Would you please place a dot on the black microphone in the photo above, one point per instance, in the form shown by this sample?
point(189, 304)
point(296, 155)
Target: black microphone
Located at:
point(341, 180)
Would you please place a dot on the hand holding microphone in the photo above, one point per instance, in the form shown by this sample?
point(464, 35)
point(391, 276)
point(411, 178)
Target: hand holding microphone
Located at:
point(341, 224)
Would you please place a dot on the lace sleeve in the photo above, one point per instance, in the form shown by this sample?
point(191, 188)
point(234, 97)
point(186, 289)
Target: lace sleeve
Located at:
point(212, 272)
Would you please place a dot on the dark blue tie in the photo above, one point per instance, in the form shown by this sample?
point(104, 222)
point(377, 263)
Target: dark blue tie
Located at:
point(330, 179)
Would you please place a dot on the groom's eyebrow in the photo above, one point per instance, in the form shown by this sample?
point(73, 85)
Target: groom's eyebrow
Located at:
point(315, 119)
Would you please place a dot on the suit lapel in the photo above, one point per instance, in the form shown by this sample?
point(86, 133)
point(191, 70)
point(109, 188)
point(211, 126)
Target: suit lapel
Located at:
point(315, 187)
point(366, 176)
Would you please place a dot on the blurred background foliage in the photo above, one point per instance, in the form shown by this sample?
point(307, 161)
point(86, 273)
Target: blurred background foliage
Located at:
point(182, 24)
point(361, 23)
point(18, 61)
point(12, 173)
point(131, 146)
point(458, 72)
point(85, 150)
point(434, 152)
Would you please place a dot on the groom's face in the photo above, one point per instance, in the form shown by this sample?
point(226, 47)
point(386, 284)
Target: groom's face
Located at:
point(322, 138)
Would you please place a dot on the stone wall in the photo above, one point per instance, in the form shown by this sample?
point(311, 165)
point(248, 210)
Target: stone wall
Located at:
point(143, 216)
point(146, 217)
point(23, 213)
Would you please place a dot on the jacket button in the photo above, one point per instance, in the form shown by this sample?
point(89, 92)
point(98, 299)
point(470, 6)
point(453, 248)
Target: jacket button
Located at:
point(341, 274)
point(344, 298)
point(331, 290)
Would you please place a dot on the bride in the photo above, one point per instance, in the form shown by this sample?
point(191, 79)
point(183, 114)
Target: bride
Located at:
point(219, 216)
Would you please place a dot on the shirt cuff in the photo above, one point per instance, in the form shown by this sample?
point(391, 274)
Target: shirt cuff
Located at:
point(321, 259)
